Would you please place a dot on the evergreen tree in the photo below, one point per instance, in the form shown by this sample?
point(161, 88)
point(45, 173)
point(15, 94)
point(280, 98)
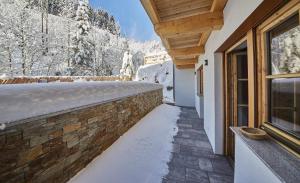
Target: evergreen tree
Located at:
point(83, 59)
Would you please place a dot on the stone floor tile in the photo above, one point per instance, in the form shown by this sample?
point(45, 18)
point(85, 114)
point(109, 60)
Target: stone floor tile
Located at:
point(172, 181)
point(176, 173)
point(196, 151)
point(198, 126)
point(222, 166)
point(191, 142)
point(192, 135)
point(196, 175)
point(184, 125)
point(192, 131)
point(205, 164)
point(179, 160)
point(217, 178)
point(183, 135)
point(176, 148)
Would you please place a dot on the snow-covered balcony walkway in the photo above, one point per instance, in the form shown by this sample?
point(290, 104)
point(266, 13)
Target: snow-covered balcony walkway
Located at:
point(109, 132)
point(140, 155)
point(168, 145)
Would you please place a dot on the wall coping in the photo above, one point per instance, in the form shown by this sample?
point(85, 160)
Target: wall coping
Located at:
point(21, 103)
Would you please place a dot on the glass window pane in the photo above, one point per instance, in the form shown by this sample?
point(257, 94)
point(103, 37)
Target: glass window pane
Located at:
point(242, 69)
point(283, 118)
point(285, 104)
point(243, 92)
point(285, 47)
point(242, 116)
point(282, 93)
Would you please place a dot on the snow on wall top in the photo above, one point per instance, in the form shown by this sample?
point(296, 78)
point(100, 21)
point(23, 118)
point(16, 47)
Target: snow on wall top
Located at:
point(27, 101)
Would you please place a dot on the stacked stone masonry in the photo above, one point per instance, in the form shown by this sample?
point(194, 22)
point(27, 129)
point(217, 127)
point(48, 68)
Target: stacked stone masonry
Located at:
point(55, 148)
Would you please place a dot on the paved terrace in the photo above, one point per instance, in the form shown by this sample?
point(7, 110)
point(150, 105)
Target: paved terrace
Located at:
point(193, 160)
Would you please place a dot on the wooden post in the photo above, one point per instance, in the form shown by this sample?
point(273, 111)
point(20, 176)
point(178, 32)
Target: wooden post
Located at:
point(251, 79)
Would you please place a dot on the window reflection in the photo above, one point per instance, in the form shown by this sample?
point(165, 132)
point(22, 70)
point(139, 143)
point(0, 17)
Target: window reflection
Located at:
point(285, 47)
point(285, 103)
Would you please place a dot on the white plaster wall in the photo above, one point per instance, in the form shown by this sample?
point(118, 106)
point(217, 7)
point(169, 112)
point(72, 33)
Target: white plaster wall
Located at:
point(185, 87)
point(250, 169)
point(235, 12)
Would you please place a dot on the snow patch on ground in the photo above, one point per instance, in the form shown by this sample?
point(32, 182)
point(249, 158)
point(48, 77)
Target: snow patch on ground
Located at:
point(159, 73)
point(140, 155)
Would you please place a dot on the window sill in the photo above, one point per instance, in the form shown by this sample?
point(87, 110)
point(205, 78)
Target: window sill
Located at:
point(282, 163)
point(282, 136)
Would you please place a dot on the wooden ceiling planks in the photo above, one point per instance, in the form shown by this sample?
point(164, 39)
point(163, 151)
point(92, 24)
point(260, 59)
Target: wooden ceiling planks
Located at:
point(184, 42)
point(185, 25)
point(151, 10)
point(175, 9)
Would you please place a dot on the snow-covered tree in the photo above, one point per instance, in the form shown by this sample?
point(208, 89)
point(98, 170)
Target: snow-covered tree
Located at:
point(19, 36)
point(83, 58)
point(127, 65)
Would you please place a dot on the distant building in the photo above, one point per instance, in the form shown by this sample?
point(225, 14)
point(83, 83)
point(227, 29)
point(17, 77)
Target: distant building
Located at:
point(157, 58)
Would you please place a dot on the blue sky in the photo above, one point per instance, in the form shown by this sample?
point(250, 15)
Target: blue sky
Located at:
point(131, 16)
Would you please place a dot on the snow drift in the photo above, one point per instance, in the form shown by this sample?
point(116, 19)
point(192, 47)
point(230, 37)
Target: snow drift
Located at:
point(158, 73)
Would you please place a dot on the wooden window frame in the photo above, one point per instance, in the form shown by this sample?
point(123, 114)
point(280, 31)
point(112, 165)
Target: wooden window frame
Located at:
point(252, 94)
point(263, 75)
point(200, 86)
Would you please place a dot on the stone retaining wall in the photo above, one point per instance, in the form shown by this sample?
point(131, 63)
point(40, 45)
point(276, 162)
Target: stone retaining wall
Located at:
point(55, 148)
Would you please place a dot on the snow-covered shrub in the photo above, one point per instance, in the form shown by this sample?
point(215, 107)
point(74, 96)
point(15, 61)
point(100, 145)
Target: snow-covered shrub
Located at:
point(127, 65)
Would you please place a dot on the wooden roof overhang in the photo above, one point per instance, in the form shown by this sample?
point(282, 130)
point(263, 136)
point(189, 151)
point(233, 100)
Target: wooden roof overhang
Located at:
point(184, 26)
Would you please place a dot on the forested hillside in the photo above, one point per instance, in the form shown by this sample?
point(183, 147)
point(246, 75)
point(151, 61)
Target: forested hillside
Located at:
point(63, 37)
point(67, 8)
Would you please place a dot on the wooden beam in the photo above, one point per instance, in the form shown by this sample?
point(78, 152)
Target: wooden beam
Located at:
point(165, 42)
point(192, 66)
point(251, 80)
point(193, 51)
point(204, 38)
point(185, 57)
point(218, 5)
point(186, 62)
point(151, 10)
point(190, 25)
